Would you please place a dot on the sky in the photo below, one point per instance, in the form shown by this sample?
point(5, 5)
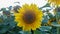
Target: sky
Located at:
point(7, 3)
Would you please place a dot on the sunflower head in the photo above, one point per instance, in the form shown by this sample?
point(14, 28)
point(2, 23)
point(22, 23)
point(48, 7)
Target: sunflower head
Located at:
point(51, 20)
point(55, 2)
point(29, 17)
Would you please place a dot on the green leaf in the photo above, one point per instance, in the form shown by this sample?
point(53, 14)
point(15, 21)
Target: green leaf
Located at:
point(4, 28)
point(26, 32)
point(55, 24)
point(45, 28)
point(50, 15)
point(37, 32)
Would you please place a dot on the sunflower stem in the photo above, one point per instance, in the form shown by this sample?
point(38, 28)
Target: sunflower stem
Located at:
point(57, 16)
point(32, 32)
point(58, 30)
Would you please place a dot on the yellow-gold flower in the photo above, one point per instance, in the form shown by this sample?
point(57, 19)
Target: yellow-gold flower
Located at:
point(29, 17)
point(51, 20)
point(55, 2)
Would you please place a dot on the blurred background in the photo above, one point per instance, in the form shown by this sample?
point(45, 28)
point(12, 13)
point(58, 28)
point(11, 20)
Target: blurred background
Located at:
point(7, 3)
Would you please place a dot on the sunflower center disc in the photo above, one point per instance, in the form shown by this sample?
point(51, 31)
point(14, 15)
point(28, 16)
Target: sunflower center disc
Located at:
point(29, 17)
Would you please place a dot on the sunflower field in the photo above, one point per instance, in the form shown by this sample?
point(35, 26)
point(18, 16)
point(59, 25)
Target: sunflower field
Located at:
point(30, 19)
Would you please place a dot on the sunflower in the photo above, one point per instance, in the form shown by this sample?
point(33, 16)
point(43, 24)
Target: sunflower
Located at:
point(29, 17)
point(55, 2)
point(56, 10)
point(51, 20)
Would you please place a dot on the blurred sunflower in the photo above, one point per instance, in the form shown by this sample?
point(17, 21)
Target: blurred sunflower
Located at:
point(55, 2)
point(57, 14)
point(51, 20)
point(57, 9)
point(29, 17)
